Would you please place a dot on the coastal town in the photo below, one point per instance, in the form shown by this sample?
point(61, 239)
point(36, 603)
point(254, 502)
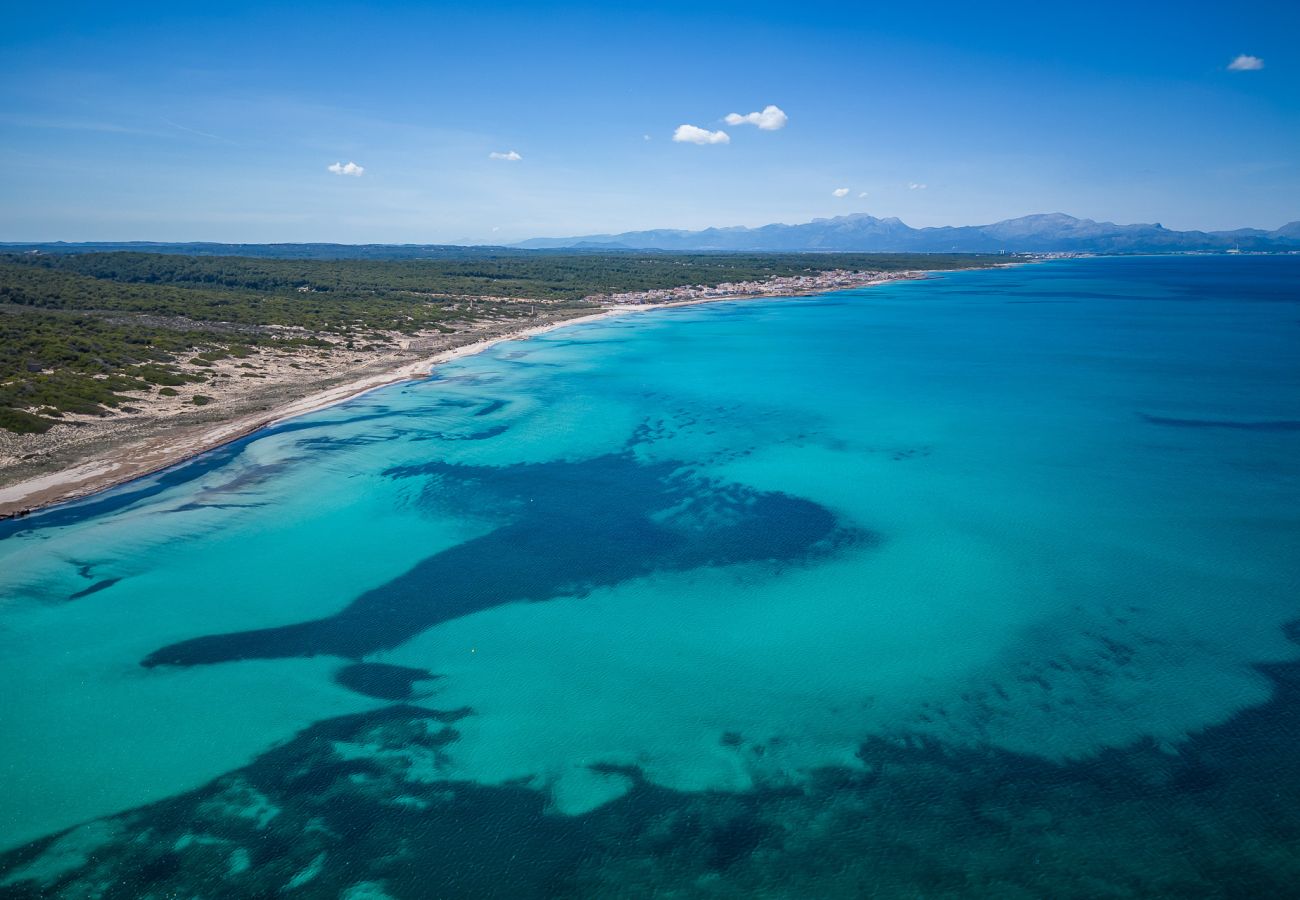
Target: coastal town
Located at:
point(776, 286)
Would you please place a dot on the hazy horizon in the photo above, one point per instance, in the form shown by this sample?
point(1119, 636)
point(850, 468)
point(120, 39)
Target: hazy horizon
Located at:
point(512, 242)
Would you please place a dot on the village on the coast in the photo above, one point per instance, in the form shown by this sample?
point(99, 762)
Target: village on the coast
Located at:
point(781, 286)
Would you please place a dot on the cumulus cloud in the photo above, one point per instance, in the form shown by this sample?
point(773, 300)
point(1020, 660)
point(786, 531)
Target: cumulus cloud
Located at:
point(512, 156)
point(861, 195)
point(692, 134)
point(1246, 63)
point(840, 192)
point(349, 168)
point(772, 118)
point(916, 187)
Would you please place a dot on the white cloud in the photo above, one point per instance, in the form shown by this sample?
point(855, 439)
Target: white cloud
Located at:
point(691, 134)
point(1246, 63)
point(916, 187)
point(861, 195)
point(350, 168)
point(646, 137)
point(840, 192)
point(772, 118)
point(512, 156)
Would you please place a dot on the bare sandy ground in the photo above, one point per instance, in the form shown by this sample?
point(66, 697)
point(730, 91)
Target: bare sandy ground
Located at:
point(74, 460)
point(91, 454)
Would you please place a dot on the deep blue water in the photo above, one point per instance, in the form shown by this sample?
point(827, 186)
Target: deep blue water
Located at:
point(980, 585)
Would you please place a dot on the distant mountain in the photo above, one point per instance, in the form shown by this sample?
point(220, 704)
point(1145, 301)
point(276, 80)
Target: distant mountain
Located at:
point(1052, 232)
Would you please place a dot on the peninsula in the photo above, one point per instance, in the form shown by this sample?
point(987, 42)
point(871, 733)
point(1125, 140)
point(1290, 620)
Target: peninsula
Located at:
point(119, 364)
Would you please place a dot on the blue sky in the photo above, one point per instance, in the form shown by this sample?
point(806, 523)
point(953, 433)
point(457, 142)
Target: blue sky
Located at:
point(168, 122)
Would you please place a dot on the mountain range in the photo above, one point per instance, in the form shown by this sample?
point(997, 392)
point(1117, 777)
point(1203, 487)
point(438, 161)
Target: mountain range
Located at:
point(1051, 232)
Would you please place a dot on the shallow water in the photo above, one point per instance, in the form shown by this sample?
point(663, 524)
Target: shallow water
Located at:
point(980, 584)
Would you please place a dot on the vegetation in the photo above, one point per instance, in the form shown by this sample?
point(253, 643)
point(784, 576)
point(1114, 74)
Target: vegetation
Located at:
point(537, 277)
point(80, 330)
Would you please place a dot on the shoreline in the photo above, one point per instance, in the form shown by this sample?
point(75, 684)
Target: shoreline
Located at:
point(95, 475)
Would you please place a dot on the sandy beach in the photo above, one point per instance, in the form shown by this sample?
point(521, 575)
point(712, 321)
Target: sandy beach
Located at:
point(172, 442)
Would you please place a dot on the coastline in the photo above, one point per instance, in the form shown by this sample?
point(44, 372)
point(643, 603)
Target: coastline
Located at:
point(97, 474)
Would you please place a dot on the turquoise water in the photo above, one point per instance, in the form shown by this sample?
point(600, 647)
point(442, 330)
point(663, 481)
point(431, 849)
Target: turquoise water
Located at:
point(983, 584)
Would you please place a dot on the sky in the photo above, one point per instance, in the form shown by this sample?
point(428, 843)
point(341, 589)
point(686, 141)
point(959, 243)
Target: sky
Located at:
point(496, 122)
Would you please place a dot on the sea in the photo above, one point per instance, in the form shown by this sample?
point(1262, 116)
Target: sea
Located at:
point(985, 584)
